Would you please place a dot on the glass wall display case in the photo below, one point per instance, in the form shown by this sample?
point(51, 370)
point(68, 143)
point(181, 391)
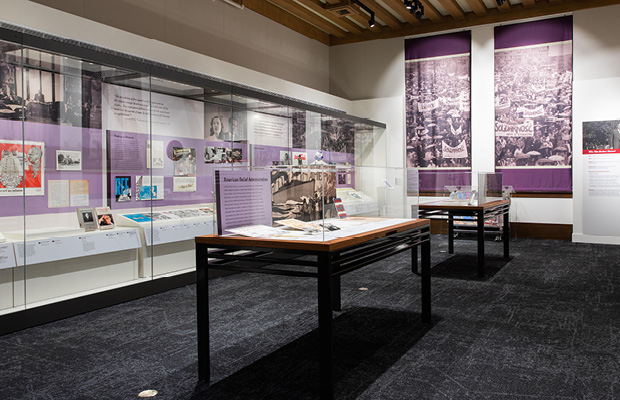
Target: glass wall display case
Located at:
point(107, 165)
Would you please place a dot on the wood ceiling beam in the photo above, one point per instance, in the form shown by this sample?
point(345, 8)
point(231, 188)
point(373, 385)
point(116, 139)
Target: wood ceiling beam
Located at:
point(318, 6)
point(493, 16)
point(399, 8)
point(307, 15)
point(528, 3)
point(505, 7)
point(383, 14)
point(453, 8)
point(479, 7)
point(431, 12)
point(282, 17)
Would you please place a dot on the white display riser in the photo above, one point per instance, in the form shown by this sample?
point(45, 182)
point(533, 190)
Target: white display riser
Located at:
point(169, 258)
point(57, 280)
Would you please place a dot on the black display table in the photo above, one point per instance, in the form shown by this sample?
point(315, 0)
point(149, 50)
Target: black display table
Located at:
point(482, 212)
point(330, 260)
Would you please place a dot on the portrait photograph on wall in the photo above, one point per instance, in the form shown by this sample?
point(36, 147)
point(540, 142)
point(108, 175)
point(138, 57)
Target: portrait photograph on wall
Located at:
point(533, 105)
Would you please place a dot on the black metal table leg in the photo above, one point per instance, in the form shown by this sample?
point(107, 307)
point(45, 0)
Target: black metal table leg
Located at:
point(450, 233)
point(506, 235)
point(426, 281)
point(326, 347)
point(336, 298)
point(480, 231)
point(202, 313)
point(414, 259)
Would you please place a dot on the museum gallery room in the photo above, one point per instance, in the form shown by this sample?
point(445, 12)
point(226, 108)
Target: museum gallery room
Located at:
point(309, 199)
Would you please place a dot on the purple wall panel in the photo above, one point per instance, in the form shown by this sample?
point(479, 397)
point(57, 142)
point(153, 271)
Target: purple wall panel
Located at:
point(537, 180)
point(56, 137)
point(537, 32)
point(435, 46)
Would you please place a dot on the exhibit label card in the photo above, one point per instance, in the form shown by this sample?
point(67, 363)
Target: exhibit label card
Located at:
point(243, 198)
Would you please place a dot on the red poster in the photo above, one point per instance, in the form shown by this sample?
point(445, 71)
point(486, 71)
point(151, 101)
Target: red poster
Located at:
point(21, 166)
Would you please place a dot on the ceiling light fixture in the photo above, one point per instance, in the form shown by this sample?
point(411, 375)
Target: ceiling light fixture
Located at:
point(416, 8)
point(371, 21)
point(500, 2)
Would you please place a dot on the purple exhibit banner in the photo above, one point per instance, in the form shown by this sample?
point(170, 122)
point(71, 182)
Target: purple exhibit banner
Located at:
point(243, 198)
point(437, 86)
point(533, 105)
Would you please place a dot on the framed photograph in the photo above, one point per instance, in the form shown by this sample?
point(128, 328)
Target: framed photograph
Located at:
point(105, 220)
point(68, 160)
point(87, 218)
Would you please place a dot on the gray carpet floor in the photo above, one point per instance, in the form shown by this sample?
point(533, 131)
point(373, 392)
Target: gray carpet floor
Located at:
point(543, 325)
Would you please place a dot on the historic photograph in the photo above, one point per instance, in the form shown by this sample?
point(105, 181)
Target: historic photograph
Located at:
point(599, 135)
point(303, 194)
point(533, 106)
point(68, 160)
point(438, 112)
point(184, 161)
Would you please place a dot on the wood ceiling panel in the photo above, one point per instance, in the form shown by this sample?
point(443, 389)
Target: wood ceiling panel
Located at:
point(431, 12)
point(384, 15)
point(318, 6)
point(310, 18)
point(453, 8)
point(307, 15)
point(478, 6)
point(399, 8)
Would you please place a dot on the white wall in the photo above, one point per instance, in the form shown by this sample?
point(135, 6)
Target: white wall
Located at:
point(211, 27)
point(596, 97)
point(284, 54)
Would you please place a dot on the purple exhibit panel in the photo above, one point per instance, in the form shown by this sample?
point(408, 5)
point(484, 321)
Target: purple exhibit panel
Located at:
point(119, 165)
point(435, 181)
point(57, 137)
point(437, 46)
point(532, 33)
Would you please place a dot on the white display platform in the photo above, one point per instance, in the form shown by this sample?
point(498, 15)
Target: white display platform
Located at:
point(357, 202)
point(165, 232)
point(58, 246)
point(7, 256)
point(168, 244)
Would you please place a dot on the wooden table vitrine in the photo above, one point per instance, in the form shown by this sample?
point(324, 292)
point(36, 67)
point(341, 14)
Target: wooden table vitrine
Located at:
point(449, 210)
point(328, 261)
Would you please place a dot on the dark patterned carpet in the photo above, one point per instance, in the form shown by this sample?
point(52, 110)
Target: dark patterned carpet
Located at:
point(543, 325)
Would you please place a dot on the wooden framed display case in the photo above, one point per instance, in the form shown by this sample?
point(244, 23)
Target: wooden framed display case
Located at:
point(84, 127)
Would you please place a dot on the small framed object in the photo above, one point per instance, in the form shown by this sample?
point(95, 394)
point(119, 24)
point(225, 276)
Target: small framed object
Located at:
point(87, 218)
point(105, 220)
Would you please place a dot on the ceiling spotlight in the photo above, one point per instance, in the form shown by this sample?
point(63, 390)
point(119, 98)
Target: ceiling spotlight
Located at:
point(371, 21)
point(408, 4)
point(416, 8)
point(500, 2)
